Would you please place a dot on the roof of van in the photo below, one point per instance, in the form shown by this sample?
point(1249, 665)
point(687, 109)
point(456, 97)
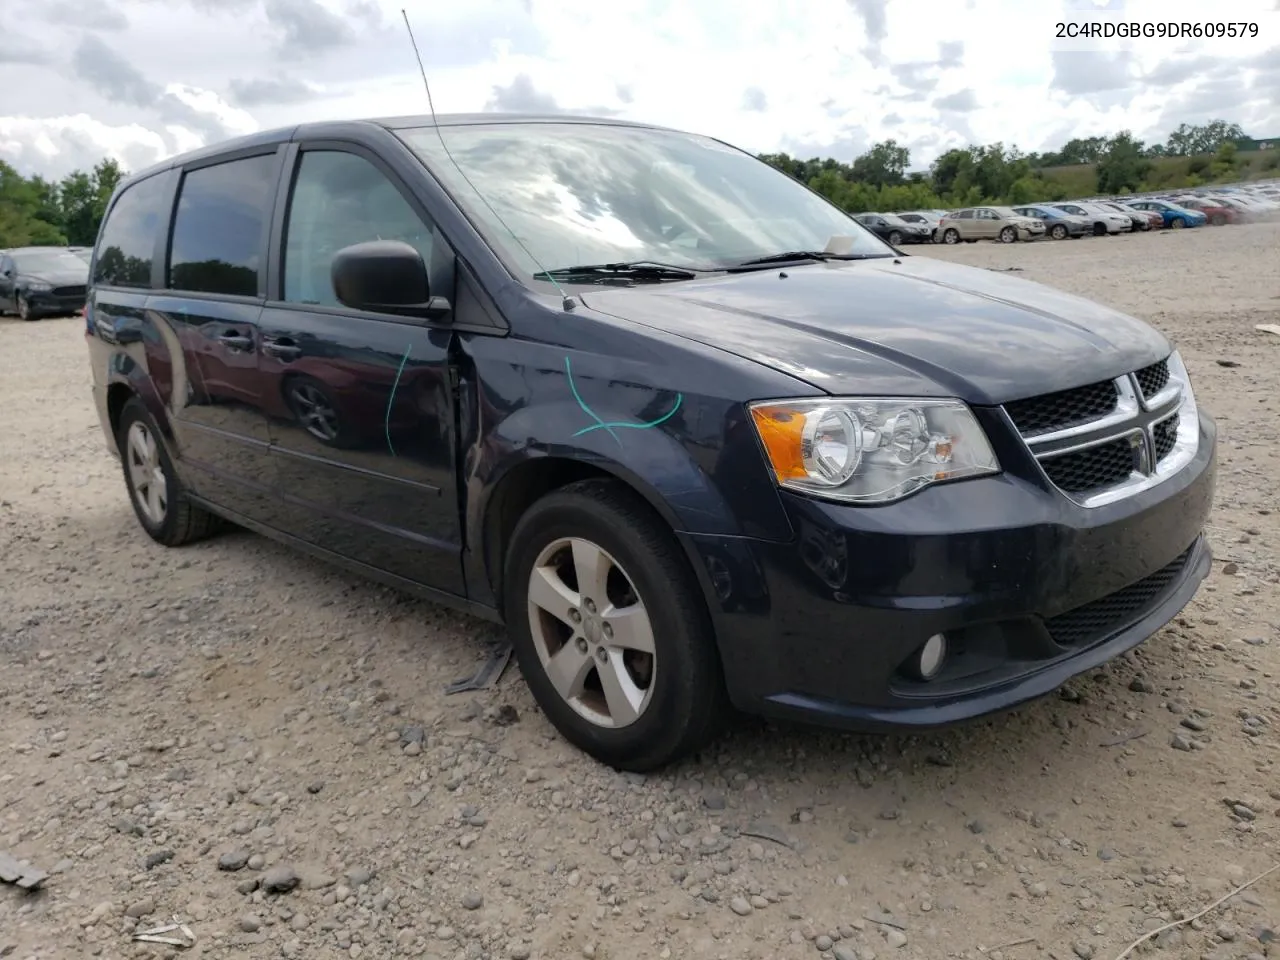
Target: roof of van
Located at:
point(284, 134)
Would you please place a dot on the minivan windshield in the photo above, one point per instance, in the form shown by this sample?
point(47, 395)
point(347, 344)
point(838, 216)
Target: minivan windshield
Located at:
point(581, 193)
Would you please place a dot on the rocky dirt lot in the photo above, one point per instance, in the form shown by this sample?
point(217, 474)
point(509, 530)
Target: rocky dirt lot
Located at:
point(187, 732)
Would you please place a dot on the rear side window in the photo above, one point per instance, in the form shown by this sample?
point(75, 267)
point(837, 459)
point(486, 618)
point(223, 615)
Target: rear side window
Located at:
point(218, 243)
point(129, 236)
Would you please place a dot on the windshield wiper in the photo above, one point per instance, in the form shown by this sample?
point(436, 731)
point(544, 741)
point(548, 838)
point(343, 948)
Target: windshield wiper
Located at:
point(792, 255)
point(639, 271)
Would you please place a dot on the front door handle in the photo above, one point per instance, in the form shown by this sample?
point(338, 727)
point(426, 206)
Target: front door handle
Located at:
point(235, 340)
point(282, 348)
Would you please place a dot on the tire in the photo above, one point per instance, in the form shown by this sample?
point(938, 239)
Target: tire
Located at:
point(1217, 220)
point(895, 238)
point(179, 521)
point(1008, 235)
point(1099, 229)
point(24, 310)
point(682, 699)
point(1178, 223)
point(951, 235)
point(311, 402)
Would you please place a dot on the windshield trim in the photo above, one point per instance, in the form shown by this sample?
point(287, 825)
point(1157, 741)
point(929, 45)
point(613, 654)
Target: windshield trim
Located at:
point(498, 244)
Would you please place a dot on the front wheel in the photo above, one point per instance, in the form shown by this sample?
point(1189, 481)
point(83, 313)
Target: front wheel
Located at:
point(159, 499)
point(24, 309)
point(1218, 220)
point(951, 235)
point(1059, 232)
point(1178, 223)
point(1099, 229)
point(895, 238)
point(610, 628)
point(1008, 235)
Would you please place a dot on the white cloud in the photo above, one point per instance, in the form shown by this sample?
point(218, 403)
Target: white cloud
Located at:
point(141, 79)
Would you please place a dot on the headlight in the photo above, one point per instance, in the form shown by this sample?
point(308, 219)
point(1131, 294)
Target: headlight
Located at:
point(38, 287)
point(870, 450)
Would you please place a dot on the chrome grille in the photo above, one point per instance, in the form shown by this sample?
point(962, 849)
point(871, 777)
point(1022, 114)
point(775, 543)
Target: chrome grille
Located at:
point(1104, 441)
point(1065, 408)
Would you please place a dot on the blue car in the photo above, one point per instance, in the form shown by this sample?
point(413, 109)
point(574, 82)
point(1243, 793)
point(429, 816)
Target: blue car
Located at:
point(1174, 215)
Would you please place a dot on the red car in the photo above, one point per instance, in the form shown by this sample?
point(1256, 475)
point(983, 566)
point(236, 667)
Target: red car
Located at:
point(1217, 213)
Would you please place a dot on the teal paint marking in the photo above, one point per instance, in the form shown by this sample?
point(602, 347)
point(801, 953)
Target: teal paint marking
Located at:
point(386, 422)
point(613, 425)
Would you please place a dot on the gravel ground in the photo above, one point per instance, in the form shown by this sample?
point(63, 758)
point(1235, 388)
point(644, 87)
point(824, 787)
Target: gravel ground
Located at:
point(246, 739)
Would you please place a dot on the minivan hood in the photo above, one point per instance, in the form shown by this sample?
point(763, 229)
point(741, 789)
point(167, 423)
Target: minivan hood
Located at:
point(898, 326)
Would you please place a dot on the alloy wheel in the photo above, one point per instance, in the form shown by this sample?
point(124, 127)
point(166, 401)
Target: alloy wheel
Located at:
point(146, 474)
point(592, 632)
point(314, 411)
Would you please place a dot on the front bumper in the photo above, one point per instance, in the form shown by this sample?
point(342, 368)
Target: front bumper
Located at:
point(1031, 233)
point(1029, 588)
point(46, 303)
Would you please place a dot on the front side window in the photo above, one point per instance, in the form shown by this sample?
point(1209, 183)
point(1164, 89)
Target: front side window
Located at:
point(128, 241)
point(217, 242)
point(580, 193)
point(340, 199)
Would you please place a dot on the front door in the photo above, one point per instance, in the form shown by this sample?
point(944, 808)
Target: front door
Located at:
point(360, 405)
point(8, 275)
point(215, 284)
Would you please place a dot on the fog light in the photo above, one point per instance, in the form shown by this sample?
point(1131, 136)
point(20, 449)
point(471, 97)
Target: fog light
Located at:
point(932, 654)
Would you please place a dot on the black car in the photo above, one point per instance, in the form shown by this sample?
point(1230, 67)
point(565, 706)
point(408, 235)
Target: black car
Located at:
point(693, 434)
point(40, 281)
point(894, 229)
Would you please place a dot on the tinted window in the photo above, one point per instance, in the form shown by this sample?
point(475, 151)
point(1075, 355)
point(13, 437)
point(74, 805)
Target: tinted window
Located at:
point(340, 199)
point(217, 231)
point(129, 235)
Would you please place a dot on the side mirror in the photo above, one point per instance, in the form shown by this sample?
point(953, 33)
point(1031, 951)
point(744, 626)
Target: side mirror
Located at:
point(385, 276)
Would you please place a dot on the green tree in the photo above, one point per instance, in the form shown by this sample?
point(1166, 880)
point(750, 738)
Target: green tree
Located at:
point(884, 164)
point(1123, 164)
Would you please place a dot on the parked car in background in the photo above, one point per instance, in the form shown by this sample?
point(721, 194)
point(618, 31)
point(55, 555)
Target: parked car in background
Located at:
point(1142, 219)
point(972, 224)
point(1104, 221)
point(894, 229)
point(1058, 224)
point(84, 253)
point(42, 281)
point(927, 218)
point(1176, 217)
point(848, 486)
point(1218, 214)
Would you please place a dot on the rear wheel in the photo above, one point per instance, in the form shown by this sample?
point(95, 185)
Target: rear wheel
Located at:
point(159, 499)
point(1059, 232)
point(951, 235)
point(610, 628)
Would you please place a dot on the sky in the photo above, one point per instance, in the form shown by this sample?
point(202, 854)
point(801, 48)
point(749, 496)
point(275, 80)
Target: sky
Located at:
point(142, 80)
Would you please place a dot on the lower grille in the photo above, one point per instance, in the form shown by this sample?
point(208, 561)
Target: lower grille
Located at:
point(69, 291)
point(1092, 468)
point(1096, 621)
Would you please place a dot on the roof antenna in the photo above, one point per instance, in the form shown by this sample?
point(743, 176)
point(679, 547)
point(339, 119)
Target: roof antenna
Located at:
point(566, 301)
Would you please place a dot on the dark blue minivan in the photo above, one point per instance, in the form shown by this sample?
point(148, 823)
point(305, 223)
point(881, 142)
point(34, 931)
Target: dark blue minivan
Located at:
point(694, 435)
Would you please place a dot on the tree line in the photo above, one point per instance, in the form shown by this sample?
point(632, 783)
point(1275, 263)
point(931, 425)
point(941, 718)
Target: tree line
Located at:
point(878, 180)
point(37, 211)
